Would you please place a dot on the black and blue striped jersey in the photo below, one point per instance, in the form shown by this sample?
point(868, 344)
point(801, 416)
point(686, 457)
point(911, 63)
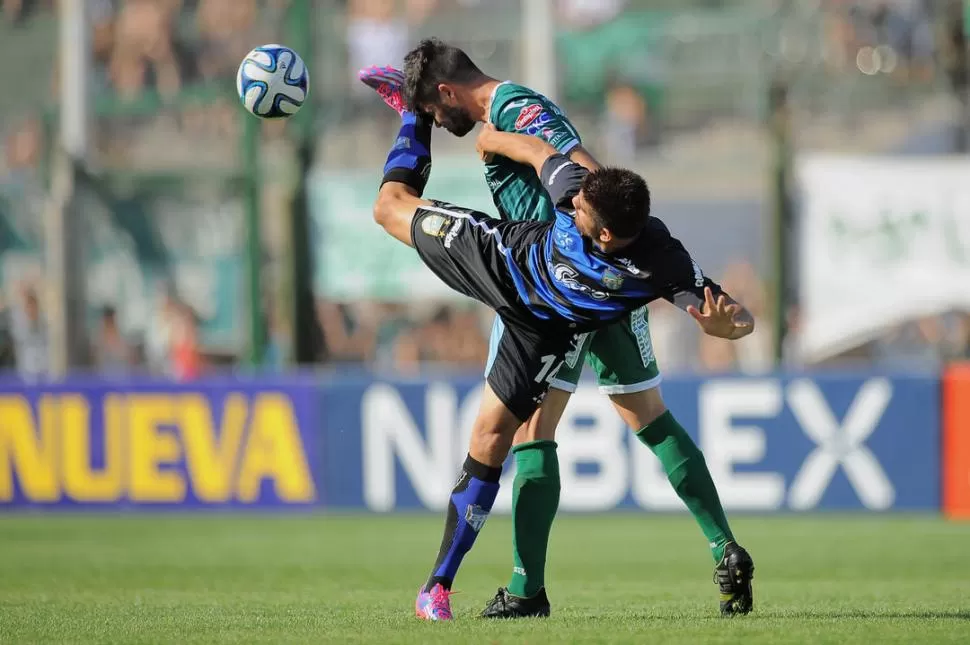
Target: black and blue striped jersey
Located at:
point(559, 273)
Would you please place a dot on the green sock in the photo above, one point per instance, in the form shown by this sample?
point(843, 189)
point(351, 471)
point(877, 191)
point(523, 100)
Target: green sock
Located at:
point(687, 471)
point(535, 500)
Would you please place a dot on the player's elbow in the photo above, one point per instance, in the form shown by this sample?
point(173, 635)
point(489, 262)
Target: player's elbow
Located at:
point(583, 158)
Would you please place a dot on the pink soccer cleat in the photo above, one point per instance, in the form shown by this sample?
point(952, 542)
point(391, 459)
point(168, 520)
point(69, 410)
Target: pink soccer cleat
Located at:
point(388, 82)
point(434, 604)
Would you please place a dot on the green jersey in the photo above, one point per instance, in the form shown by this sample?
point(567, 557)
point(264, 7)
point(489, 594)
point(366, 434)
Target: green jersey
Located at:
point(516, 189)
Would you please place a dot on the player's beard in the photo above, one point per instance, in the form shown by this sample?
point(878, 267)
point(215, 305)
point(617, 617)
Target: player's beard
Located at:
point(456, 120)
point(587, 227)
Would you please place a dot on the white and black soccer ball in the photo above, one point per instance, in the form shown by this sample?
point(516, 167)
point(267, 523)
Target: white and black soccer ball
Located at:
point(272, 82)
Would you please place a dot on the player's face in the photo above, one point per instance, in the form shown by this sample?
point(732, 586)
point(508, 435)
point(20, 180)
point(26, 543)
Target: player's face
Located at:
point(449, 113)
point(585, 221)
point(453, 119)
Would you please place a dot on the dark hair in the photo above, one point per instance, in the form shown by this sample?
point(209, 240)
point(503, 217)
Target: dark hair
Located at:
point(430, 63)
point(620, 200)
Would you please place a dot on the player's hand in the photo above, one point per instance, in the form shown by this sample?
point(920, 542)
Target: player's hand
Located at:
point(483, 142)
point(388, 82)
point(722, 318)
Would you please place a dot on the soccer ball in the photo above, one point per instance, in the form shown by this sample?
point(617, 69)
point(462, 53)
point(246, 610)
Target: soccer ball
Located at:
point(272, 82)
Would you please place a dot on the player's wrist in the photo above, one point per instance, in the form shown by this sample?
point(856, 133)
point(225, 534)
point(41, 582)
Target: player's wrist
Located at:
point(488, 141)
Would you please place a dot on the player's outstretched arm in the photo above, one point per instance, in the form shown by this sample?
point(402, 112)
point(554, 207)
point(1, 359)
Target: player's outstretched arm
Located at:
point(523, 148)
point(722, 317)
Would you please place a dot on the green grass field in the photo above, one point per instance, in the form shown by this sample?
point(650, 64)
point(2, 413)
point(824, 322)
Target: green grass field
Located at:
point(612, 579)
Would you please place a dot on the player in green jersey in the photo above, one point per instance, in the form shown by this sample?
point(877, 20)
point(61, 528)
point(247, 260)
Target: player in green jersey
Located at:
point(441, 80)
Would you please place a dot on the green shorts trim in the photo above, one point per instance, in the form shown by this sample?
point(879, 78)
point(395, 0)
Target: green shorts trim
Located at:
point(621, 356)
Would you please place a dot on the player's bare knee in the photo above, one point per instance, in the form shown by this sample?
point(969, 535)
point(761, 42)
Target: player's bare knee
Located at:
point(490, 443)
point(639, 409)
point(541, 426)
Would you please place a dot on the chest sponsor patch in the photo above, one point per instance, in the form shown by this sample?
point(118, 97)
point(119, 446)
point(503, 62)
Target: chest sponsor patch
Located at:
point(527, 115)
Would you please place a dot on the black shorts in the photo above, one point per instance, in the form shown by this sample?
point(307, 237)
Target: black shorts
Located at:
point(468, 250)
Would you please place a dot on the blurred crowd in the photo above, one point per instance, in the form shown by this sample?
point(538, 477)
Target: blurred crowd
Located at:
point(404, 338)
point(164, 48)
point(408, 339)
point(140, 45)
point(169, 347)
point(897, 37)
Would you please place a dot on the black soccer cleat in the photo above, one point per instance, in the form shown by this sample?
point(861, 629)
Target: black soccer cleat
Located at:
point(505, 605)
point(733, 575)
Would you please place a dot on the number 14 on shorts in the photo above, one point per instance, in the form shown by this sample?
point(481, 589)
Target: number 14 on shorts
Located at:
point(550, 365)
point(552, 362)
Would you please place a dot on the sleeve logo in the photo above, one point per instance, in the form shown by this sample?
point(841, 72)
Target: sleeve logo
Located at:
point(555, 173)
point(527, 115)
point(513, 105)
point(435, 225)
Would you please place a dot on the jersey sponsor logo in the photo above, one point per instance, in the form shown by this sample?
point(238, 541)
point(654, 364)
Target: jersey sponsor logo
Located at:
point(452, 233)
point(435, 225)
point(402, 143)
point(567, 275)
point(612, 280)
point(527, 115)
point(538, 125)
point(512, 105)
point(627, 264)
point(564, 240)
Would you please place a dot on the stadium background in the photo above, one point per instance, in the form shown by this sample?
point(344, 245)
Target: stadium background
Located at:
point(196, 310)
